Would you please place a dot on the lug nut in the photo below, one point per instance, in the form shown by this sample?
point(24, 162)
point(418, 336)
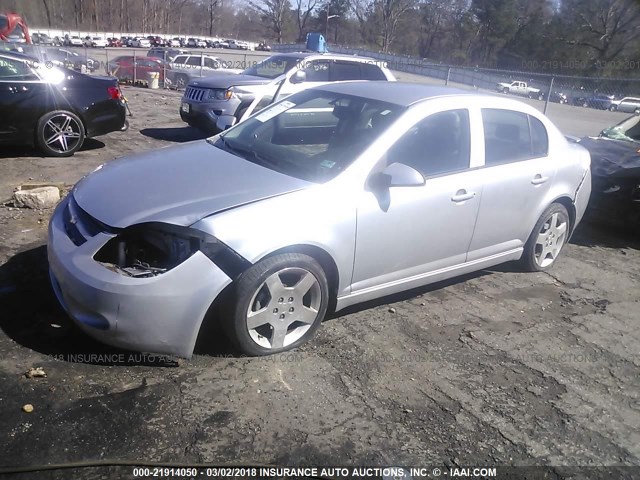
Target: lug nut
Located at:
point(275, 310)
point(291, 309)
point(291, 299)
point(282, 315)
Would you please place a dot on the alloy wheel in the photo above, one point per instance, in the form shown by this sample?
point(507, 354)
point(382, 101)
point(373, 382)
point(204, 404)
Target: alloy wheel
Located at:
point(283, 308)
point(62, 133)
point(550, 240)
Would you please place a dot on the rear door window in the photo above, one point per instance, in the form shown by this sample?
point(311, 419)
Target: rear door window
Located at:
point(341, 71)
point(511, 136)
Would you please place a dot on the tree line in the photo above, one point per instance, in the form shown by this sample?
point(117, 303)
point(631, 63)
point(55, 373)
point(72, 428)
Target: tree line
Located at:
point(594, 37)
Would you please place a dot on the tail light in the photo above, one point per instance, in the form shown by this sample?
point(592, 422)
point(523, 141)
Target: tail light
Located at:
point(114, 93)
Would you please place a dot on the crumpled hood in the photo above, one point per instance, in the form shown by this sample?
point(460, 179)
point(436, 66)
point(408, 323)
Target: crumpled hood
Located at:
point(178, 185)
point(612, 158)
point(225, 80)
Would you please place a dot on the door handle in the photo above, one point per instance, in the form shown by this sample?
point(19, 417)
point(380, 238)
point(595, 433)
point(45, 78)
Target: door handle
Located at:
point(539, 179)
point(462, 195)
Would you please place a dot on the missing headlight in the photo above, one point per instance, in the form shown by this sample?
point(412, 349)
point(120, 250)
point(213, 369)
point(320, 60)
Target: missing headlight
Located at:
point(150, 249)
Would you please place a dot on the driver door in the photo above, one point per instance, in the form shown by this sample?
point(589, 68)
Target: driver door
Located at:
point(406, 233)
point(19, 89)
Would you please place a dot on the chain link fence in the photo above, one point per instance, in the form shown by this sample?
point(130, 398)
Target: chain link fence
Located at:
point(157, 68)
point(614, 94)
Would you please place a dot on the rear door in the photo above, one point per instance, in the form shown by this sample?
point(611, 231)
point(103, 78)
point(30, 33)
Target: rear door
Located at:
point(516, 176)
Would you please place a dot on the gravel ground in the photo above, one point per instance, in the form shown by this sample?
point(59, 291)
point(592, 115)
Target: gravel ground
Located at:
point(496, 368)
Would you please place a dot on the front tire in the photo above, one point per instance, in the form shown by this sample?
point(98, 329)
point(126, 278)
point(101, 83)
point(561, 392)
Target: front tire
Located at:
point(277, 304)
point(547, 239)
point(60, 133)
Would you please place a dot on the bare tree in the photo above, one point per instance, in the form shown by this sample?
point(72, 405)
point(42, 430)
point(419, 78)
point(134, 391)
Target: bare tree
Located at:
point(606, 27)
point(212, 7)
point(391, 12)
point(274, 12)
point(47, 11)
point(304, 8)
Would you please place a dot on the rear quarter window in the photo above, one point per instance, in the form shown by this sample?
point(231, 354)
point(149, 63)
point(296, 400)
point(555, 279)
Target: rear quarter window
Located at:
point(539, 138)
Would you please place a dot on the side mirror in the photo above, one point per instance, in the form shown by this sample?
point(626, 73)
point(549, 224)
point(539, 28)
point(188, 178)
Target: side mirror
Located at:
point(299, 77)
point(396, 175)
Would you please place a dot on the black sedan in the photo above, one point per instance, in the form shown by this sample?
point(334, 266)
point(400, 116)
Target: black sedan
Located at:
point(615, 173)
point(55, 108)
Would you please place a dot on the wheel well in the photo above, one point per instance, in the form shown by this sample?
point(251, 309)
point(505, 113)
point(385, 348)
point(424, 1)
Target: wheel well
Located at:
point(571, 209)
point(322, 257)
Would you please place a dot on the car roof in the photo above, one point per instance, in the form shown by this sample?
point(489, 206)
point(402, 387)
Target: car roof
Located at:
point(399, 93)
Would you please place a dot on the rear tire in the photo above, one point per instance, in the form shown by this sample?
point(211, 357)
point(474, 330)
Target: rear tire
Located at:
point(60, 133)
point(277, 304)
point(547, 239)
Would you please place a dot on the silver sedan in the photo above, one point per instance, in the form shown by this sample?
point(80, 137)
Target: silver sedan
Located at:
point(334, 196)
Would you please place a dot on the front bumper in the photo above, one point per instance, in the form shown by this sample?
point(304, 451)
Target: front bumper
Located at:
point(160, 314)
point(208, 116)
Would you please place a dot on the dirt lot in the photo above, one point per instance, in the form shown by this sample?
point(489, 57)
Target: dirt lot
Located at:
point(497, 368)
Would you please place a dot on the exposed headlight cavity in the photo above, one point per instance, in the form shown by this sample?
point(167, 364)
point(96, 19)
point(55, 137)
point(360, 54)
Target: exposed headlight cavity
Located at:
point(150, 249)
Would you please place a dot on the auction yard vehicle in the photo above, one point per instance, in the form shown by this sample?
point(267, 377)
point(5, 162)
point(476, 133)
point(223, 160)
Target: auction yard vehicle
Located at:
point(140, 42)
point(54, 108)
point(336, 195)
point(626, 104)
point(72, 41)
point(615, 167)
point(221, 100)
point(520, 88)
point(186, 67)
point(13, 28)
point(94, 42)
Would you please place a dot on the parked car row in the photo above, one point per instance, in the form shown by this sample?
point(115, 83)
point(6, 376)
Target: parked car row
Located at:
point(597, 100)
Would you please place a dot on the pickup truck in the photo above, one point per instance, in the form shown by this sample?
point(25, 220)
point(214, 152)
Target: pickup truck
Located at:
point(520, 88)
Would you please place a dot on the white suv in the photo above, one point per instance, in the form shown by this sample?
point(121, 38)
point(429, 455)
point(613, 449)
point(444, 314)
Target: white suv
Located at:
point(218, 101)
point(186, 67)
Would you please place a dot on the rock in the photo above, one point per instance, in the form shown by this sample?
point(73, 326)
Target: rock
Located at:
point(37, 198)
point(35, 372)
point(28, 408)
point(392, 310)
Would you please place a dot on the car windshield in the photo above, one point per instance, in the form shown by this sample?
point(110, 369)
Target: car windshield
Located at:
point(313, 135)
point(272, 67)
point(628, 130)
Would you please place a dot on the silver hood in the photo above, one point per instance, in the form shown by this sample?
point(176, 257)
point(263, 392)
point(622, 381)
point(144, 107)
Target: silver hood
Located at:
point(178, 185)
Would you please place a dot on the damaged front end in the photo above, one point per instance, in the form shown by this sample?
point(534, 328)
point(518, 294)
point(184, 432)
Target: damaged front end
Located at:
point(151, 249)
